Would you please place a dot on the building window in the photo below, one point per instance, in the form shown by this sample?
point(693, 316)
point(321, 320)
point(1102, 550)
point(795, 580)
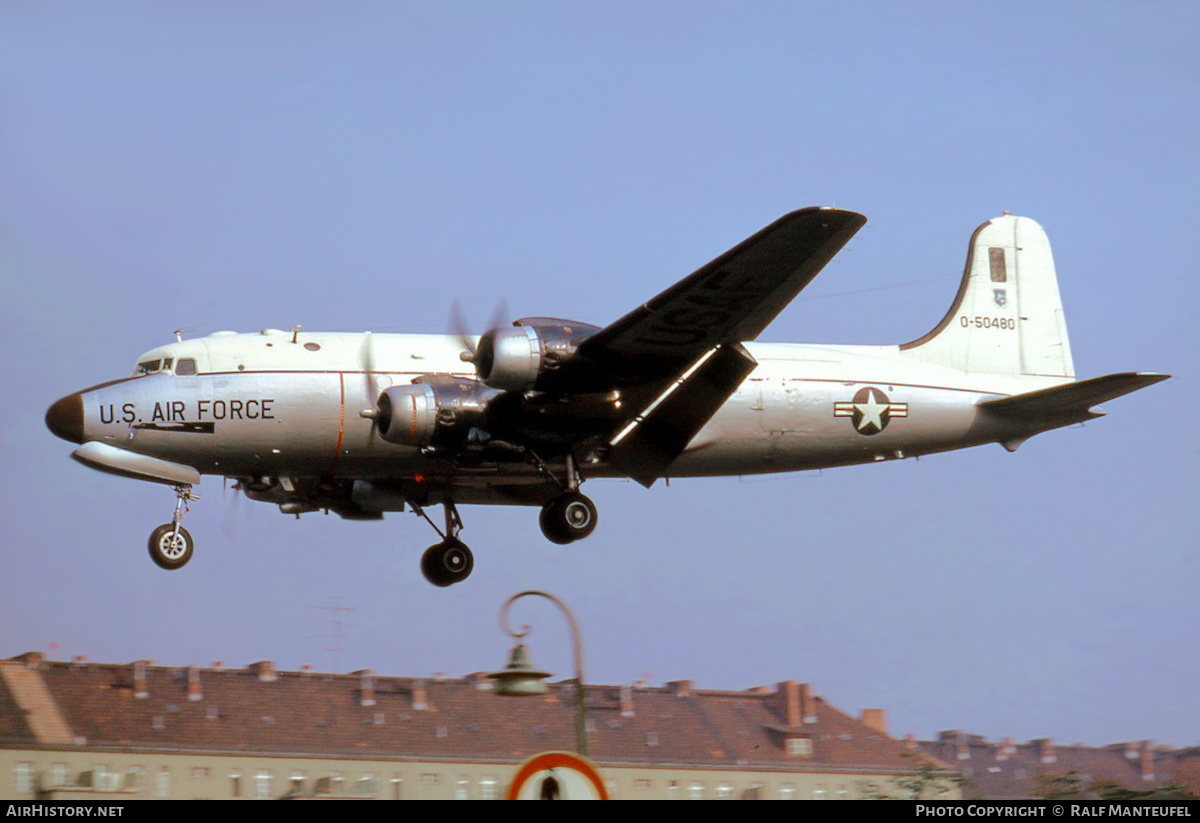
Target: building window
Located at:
point(801, 746)
point(641, 783)
point(365, 785)
point(819, 792)
point(787, 792)
point(162, 782)
point(462, 789)
point(262, 784)
point(724, 791)
point(695, 791)
point(235, 784)
point(23, 772)
point(488, 790)
point(296, 782)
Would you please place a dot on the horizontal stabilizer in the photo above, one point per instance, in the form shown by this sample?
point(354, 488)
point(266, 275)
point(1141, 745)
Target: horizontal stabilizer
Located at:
point(651, 442)
point(1072, 399)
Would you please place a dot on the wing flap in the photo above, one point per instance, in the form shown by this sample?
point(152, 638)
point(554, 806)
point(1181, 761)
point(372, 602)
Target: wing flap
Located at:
point(647, 447)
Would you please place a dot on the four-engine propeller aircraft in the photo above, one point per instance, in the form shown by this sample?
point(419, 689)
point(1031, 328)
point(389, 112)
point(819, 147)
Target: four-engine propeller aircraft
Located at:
point(361, 424)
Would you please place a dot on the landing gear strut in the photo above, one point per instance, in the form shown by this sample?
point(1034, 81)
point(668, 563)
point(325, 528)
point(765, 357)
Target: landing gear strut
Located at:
point(450, 561)
point(170, 544)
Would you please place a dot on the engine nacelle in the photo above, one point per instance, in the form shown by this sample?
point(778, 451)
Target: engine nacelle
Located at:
point(525, 356)
point(432, 414)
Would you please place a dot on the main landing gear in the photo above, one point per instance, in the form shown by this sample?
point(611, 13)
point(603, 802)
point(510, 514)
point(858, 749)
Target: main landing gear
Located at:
point(571, 516)
point(450, 561)
point(170, 544)
point(567, 518)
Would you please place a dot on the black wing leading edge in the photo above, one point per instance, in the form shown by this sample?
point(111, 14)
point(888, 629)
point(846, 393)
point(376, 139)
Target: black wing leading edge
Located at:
point(684, 342)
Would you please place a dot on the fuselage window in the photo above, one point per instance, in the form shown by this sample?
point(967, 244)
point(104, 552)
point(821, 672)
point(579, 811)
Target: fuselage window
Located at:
point(149, 367)
point(186, 366)
point(167, 361)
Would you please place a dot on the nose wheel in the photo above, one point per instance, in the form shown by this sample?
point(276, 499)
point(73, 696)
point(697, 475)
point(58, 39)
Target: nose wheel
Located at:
point(170, 546)
point(567, 518)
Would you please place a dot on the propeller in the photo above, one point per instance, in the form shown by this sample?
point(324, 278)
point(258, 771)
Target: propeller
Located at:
point(476, 350)
point(233, 513)
point(366, 357)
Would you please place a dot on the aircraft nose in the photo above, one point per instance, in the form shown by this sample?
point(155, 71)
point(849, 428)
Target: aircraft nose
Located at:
point(65, 418)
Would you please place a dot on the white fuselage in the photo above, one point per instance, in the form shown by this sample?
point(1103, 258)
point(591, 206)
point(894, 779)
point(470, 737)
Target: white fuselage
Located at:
point(283, 404)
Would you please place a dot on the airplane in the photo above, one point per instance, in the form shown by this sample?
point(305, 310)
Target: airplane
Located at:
point(360, 424)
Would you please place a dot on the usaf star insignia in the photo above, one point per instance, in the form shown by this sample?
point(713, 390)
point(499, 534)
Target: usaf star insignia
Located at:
point(870, 410)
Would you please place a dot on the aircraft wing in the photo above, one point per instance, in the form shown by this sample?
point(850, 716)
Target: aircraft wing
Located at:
point(681, 350)
point(731, 299)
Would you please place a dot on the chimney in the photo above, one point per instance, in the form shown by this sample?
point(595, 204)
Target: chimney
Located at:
point(420, 696)
point(789, 700)
point(141, 690)
point(876, 719)
point(194, 690)
point(808, 703)
point(32, 660)
point(1146, 760)
point(481, 682)
point(366, 688)
point(264, 670)
point(1045, 749)
point(951, 746)
point(627, 701)
point(680, 688)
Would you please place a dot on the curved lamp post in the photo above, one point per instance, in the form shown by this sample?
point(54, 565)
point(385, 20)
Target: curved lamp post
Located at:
point(520, 679)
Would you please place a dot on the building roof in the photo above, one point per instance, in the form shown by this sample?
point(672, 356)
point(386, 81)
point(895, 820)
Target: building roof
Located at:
point(258, 710)
point(1040, 767)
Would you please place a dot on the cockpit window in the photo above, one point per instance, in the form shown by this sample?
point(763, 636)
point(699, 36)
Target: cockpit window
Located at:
point(186, 366)
point(149, 367)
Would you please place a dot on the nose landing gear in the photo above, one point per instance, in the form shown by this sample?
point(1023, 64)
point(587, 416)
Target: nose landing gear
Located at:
point(170, 544)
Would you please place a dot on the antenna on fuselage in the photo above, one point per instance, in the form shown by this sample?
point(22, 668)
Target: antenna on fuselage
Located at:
point(295, 331)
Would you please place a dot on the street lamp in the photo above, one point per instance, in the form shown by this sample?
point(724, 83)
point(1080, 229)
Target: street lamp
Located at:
point(520, 679)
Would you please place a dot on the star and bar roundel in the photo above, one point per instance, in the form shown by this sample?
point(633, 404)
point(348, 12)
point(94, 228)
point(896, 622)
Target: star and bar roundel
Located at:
point(870, 410)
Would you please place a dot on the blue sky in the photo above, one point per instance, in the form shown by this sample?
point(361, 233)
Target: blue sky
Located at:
point(360, 166)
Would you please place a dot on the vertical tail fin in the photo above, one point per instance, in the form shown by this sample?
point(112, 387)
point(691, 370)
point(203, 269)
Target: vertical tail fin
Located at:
point(1007, 317)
